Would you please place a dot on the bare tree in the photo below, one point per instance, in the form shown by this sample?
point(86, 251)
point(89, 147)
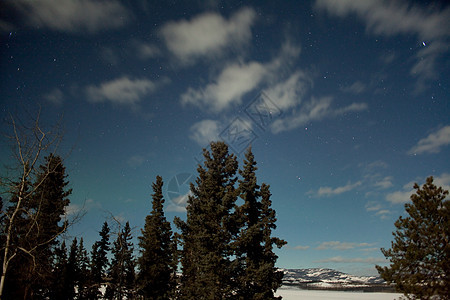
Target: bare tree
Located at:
point(29, 171)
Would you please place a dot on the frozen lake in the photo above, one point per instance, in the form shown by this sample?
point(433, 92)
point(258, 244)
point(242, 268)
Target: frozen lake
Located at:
point(292, 293)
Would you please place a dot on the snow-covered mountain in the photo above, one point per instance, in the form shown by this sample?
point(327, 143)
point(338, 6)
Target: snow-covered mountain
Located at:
point(327, 278)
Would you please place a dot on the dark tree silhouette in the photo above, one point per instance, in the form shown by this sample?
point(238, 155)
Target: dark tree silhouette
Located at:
point(420, 252)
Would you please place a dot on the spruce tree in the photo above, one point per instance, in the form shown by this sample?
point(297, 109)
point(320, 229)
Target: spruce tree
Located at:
point(58, 286)
point(210, 227)
point(258, 277)
point(269, 275)
point(156, 261)
point(36, 226)
point(83, 271)
point(72, 270)
point(420, 253)
point(99, 263)
point(122, 273)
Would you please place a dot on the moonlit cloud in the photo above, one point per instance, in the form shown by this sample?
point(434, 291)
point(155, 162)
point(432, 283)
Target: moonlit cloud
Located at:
point(402, 196)
point(237, 79)
point(326, 191)
point(433, 142)
point(136, 160)
point(337, 245)
point(356, 88)
point(384, 183)
point(208, 34)
point(300, 247)
point(55, 96)
point(289, 93)
point(72, 16)
point(204, 132)
point(315, 110)
point(123, 91)
point(229, 87)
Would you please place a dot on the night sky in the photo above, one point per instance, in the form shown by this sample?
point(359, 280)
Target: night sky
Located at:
point(345, 104)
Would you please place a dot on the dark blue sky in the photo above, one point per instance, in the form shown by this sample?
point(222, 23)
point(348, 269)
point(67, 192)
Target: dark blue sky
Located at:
point(345, 103)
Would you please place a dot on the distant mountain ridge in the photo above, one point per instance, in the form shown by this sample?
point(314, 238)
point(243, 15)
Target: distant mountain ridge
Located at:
point(322, 278)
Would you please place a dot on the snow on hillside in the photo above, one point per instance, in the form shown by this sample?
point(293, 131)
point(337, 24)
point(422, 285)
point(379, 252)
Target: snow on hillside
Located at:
point(295, 293)
point(326, 277)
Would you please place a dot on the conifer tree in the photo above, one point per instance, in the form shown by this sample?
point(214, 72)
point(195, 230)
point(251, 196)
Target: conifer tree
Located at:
point(122, 271)
point(83, 271)
point(59, 283)
point(269, 275)
point(210, 227)
point(156, 261)
point(36, 227)
point(99, 263)
point(72, 271)
point(258, 277)
point(420, 252)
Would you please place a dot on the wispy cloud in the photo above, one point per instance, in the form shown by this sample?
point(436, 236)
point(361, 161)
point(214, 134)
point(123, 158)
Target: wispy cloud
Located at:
point(290, 92)
point(384, 183)
point(208, 34)
point(399, 17)
point(378, 209)
point(315, 110)
point(229, 87)
point(433, 142)
point(300, 247)
point(136, 160)
point(239, 78)
point(340, 259)
point(401, 196)
point(72, 16)
point(404, 195)
point(337, 245)
point(55, 96)
point(356, 88)
point(123, 91)
point(326, 191)
point(205, 131)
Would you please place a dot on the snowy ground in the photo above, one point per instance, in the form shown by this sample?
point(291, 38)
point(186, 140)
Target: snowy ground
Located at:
point(293, 294)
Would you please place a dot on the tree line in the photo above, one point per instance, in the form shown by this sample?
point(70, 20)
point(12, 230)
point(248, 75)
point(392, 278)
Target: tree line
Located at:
point(224, 249)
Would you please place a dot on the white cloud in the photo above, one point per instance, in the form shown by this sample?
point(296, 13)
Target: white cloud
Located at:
point(179, 203)
point(433, 142)
point(73, 16)
point(340, 259)
point(337, 245)
point(72, 209)
point(328, 191)
point(384, 183)
point(207, 34)
point(404, 195)
point(373, 206)
point(124, 91)
point(400, 197)
point(55, 96)
point(399, 17)
point(232, 83)
point(145, 50)
point(300, 247)
point(204, 132)
point(383, 213)
point(136, 160)
point(315, 110)
point(356, 88)
point(289, 93)
point(442, 181)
